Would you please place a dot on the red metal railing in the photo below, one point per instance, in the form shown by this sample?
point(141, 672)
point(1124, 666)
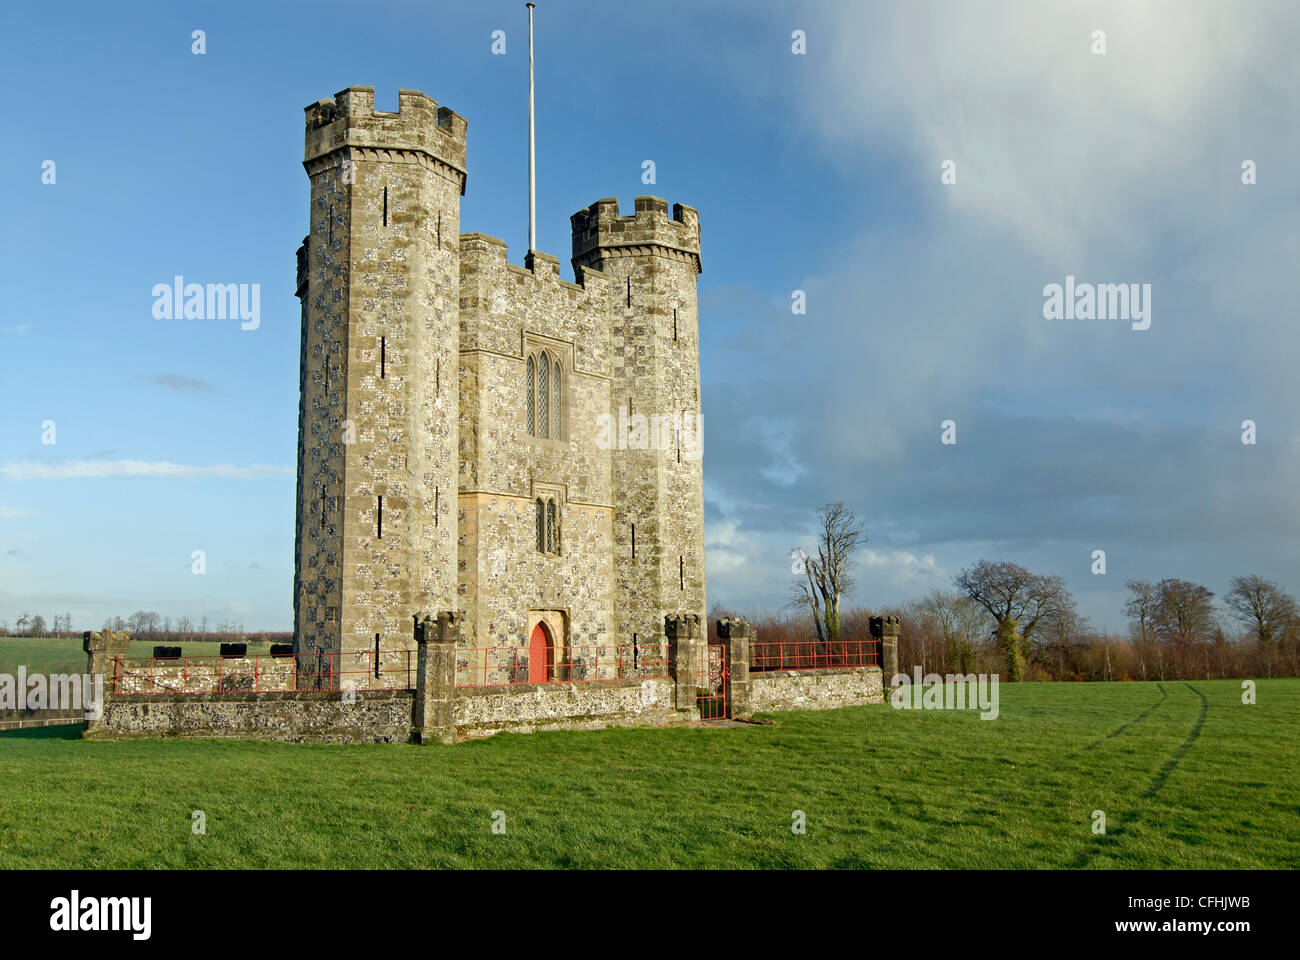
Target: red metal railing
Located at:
point(511, 666)
point(814, 655)
point(262, 673)
point(711, 690)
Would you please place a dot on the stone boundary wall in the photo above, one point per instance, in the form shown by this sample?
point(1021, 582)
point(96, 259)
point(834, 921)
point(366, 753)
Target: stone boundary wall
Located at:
point(436, 710)
point(378, 716)
point(262, 673)
point(483, 711)
point(775, 690)
point(204, 675)
point(385, 716)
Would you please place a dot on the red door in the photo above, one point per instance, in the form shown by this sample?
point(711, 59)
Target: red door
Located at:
point(539, 655)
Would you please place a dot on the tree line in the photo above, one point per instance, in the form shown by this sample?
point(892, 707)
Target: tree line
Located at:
point(1003, 618)
point(148, 626)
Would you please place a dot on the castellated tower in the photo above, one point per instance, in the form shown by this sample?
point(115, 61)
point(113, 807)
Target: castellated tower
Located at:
point(483, 437)
point(652, 262)
point(378, 417)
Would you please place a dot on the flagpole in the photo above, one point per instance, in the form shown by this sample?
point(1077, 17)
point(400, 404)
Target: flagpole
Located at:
point(532, 150)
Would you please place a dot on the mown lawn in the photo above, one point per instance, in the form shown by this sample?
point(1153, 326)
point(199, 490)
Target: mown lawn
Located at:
point(1186, 774)
point(65, 655)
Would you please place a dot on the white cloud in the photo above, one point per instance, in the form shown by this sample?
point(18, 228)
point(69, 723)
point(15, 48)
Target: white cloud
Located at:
point(905, 564)
point(728, 548)
point(1070, 150)
point(928, 305)
point(94, 469)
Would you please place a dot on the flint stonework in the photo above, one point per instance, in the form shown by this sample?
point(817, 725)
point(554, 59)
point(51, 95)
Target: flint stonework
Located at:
point(425, 471)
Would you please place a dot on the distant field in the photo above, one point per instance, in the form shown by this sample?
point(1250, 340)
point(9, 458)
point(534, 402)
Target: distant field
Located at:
point(66, 655)
point(1187, 776)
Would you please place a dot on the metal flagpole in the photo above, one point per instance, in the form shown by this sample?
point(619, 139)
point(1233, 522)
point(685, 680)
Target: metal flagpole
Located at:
point(532, 151)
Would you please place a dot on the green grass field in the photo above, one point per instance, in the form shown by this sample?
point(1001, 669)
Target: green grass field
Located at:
point(1187, 776)
point(65, 655)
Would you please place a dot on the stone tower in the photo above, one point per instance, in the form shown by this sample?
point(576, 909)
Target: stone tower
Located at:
point(378, 277)
point(652, 261)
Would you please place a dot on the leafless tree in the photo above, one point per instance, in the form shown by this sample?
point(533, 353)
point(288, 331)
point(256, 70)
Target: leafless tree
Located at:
point(828, 574)
point(963, 622)
point(1018, 601)
point(1262, 605)
point(1184, 613)
point(1141, 611)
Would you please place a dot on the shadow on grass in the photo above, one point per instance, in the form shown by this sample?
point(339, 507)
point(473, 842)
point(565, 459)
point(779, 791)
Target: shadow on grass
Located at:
point(1109, 841)
point(62, 731)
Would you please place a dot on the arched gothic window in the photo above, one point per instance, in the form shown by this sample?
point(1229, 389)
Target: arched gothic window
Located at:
point(548, 525)
point(555, 401)
point(543, 396)
point(544, 400)
point(532, 393)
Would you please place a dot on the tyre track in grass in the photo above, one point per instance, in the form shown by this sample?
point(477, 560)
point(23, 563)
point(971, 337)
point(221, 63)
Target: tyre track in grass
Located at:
point(988, 810)
point(1110, 840)
point(1112, 735)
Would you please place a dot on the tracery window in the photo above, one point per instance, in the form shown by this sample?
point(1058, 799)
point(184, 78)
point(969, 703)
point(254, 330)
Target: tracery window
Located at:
point(544, 401)
point(543, 396)
point(532, 393)
point(548, 525)
point(555, 401)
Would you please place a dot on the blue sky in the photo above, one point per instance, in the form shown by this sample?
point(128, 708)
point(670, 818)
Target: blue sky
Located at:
point(818, 172)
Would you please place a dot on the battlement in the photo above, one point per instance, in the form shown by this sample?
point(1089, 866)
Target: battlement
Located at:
point(481, 251)
point(599, 227)
point(350, 119)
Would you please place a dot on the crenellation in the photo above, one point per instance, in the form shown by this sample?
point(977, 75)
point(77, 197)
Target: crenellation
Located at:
point(599, 232)
point(355, 102)
point(420, 132)
point(432, 336)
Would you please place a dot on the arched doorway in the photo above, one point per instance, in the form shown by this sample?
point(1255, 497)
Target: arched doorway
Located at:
point(541, 654)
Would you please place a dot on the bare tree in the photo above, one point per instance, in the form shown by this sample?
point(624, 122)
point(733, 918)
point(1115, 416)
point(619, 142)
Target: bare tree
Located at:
point(1018, 601)
point(1184, 613)
point(963, 623)
point(1262, 605)
point(828, 574)
point(1062, 634)
point(1141, 611)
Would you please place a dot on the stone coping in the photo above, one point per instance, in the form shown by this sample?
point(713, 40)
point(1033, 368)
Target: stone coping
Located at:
point(557, 685)
point(247, 696)
point(819, 672)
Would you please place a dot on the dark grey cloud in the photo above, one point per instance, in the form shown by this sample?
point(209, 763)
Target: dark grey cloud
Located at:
point(180, 384)
point(1072, 435)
